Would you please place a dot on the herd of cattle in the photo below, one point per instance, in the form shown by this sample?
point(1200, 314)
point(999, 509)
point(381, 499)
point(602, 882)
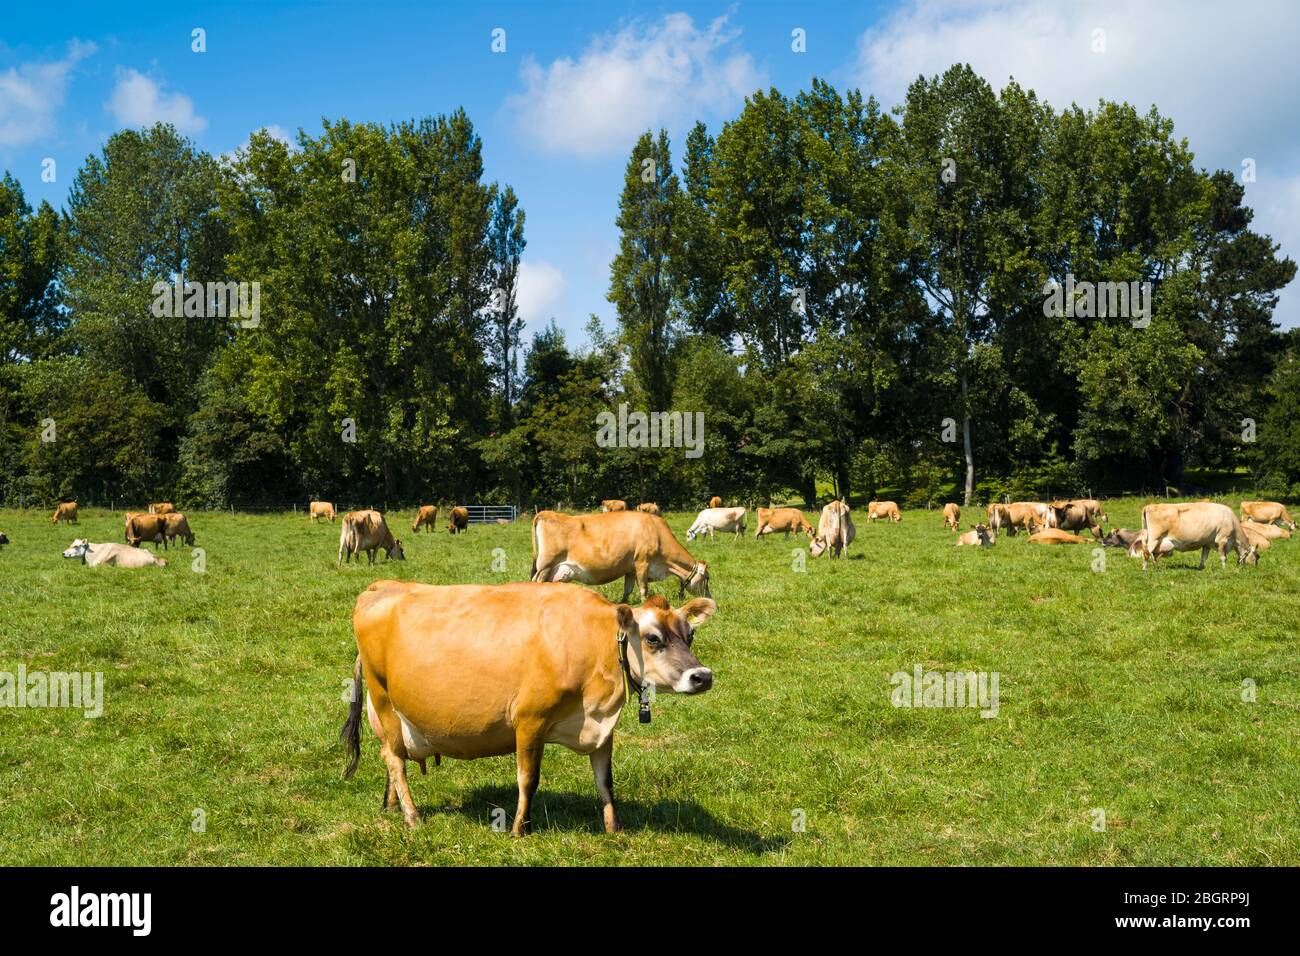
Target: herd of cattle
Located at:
point(561, 660)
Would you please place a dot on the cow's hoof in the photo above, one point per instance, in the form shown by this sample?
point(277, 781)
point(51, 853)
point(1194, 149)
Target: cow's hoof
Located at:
point(412, 819)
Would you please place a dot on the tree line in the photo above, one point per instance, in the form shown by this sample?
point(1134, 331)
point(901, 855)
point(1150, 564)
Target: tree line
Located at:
point(858, 300)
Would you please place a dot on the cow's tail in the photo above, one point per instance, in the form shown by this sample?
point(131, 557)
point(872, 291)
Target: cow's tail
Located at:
point(345, 540)
point(351, 732)
point(532, 568)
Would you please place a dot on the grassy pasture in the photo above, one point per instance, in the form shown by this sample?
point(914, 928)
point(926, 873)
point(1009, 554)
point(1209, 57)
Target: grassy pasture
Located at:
point(1119, 691)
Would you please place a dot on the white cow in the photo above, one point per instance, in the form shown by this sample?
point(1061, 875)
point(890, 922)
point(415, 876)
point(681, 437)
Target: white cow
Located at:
point(717, 519)
point(835, 531)
point(120, 555)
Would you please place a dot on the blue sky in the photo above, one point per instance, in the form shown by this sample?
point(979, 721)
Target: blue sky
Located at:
point(560, 108)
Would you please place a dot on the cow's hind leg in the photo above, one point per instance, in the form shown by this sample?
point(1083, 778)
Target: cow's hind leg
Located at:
point(602, 768)
point(1205, 553)
point(530, 743)
point(628, 581)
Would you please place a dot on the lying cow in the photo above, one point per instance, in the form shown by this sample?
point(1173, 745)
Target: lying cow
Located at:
point(613, 504)
point(1266, 512)
point(978, 535)
point(835, 531)
point(715, 502)
point(161, 508)
point(1270, 531)
point(65, 511)
point(472, 671)
point(459, 522)
point(141, 528)
point(952, 516)
point(1074, 516)
point(175, 526)
point(883, 509)
point(427, 518)
point(1260, 542)
point(776, 520)
point(1055, 536)
point(649, 508)
point(717, 519)
point(599, 548)
point(112, 553)
point(1195, 525)
point(367, 531)
point(321, 509)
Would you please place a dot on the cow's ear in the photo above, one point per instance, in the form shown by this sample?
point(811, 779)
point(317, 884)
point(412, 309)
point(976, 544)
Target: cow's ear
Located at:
point(627, 622)
point(698, 611)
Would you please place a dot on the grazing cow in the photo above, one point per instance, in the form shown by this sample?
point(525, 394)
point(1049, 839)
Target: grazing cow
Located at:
point(717, 519)
point(835, 531)
point(367, 531)
point(978, 535)
point(613, 504)
point(1055, 536)
point(1092, 506)
point(426, 518)
point(321, 509)
point(1074, 516)
point(1042, 511)
point(161, 508)
point(599, 548)
point(773, 520)
point(118, 555)
point(715, 502)
point(459, 522)
point(65, 511)
point(999, 517)
point(1271, 531)
point(1260, 542)
point(883, 509)
point(471, 671)
point(952, 516)
point(649, 508)
point(1266, 512)
point(175, 526)
point(1193, 525)
point(142, 528)
point(1020, 517)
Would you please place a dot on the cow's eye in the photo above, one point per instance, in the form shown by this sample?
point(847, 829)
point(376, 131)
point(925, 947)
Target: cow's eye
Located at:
point(653, 640)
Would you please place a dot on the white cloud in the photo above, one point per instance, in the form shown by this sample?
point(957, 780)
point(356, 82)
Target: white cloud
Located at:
point(138, 100)
point(1227, 79)
point(31, 92)
point(641, 77)
point(541, 287)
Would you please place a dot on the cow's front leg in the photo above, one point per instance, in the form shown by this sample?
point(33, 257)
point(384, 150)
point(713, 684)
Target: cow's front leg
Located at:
point(1205, 553)
point(602, 769)
point(530, 743)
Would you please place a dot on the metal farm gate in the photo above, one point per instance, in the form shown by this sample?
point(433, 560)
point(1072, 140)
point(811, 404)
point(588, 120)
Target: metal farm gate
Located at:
point(491, 514)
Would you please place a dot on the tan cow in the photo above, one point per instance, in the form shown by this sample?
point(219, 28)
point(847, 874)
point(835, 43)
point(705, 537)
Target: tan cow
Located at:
point(427, 518)
point(1055, 536)
point(835, 531)
point(599, 548)
point(367, 531)
point(952, 516)
point(175, 526)
point(649, 508)
point(1041, 510)
point(65, 511)
point(471, 671)
point(459, 522)
point(1271, 531)
point(775, 520)
point(1192, 525)
point(321, 509)
point(1074, 516)
point(883, 509)
point(613, 504)
point(113, 554)
point(1266, 512)
point(161, 508)
point(978, 535)
point(142, 528)
point(999, 517)
point(1260, 542)
point(715, 502)
point(1092, 506)
point(1019, 516)
point(711, 520)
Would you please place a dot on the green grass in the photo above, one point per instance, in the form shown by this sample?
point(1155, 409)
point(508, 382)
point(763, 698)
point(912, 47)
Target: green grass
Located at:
point(1119, 690)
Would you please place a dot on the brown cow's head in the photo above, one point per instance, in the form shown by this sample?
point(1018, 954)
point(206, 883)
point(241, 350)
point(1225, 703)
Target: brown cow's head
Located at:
point(666, 634)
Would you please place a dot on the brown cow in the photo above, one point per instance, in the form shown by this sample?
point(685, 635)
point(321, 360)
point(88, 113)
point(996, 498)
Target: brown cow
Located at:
point(613, 504)
point(459, 522)
point(599, 548)
point(1055, 536)
point(978, 535)
point(774, 520)
point(321, 509)
point(175, 526)
point(952, 516)
point(1074, 516)
point(715, 502)
point(649, 508)
point(65, 511)
point(161, 508)
point(1020, 517)
point(141, 528)
point(427, 518)
point(487, 670)
point(1266, 512)
point(367, 531)
point(882, 510)
point(1271, 531)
